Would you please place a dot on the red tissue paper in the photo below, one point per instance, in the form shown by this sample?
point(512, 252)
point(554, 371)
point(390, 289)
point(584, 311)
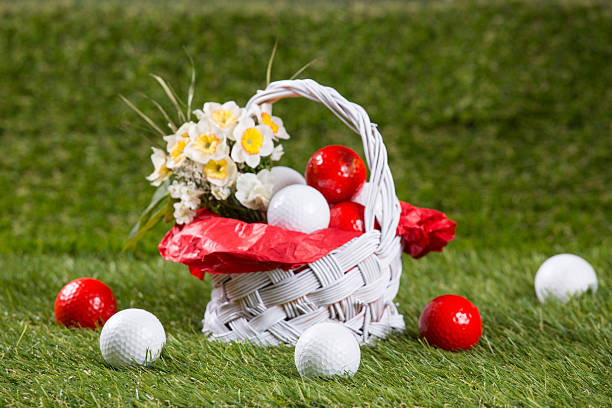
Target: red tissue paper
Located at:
point(215, 244)
point(424, 230)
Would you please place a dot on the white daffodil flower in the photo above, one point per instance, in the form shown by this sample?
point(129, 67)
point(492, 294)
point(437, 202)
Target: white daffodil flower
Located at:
point(255, 190)
point(224, 117)
point(221, 173)
point(161, 172)
point(252, 142)
point(177, 143)
point(264, 117)
point(182, 213)
point(206, 143)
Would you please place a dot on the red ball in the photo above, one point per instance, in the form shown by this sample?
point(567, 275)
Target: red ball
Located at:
point(85, 302)
point(451, 322)
point(337, 172)
point(347, 215)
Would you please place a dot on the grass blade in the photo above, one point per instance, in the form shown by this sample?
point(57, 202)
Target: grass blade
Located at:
point(25, 327)
point(270, 61)
point(191, 90)
point(144, 222)
point(142, 115)
point(171, 124)
point(304, 67)
point(151, 222)
point(171, 95)
point(142, 131)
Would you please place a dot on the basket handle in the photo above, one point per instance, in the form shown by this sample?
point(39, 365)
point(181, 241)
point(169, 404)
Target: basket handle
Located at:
point(357, 119)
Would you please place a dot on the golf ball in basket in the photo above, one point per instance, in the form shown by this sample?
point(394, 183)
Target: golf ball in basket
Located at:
point(285, 176)
point(563, 276)
point(327, 349)
point(130, 337)
point(299, 208)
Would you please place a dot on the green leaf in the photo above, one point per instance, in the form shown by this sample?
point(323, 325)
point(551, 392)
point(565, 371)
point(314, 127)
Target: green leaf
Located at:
point(169, 216)
point(155, 218)
point(161, 196)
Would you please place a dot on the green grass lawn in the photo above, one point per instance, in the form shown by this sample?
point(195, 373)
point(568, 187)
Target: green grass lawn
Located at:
point(499, 114)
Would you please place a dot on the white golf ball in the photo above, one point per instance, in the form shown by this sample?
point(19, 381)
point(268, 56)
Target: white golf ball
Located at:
point(563, 276)
point(299, 208)
point(130, 337)
point(327, 349)
point(285, 176)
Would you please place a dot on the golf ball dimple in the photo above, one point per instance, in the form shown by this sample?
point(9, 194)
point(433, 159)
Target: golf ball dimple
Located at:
point(132, 337)
point(327, 349)
point(299, 208)
point(563, 276)
point(285, 176)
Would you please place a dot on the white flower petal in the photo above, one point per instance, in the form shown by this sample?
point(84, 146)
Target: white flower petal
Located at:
point(277, 153)
point(266, 147)
point(252, 160)
point(161, 172)
point(237, 154)
point(199, 113)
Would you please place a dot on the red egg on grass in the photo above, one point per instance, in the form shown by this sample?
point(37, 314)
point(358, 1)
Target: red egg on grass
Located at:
point(347, 215)
point(451, 322)
point(337, 172)
point(85, 302)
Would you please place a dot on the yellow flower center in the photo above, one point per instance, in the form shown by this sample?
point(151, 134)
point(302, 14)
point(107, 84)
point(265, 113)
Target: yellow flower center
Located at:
point(163, 170)
point(207, 143)
point(216, 169)
point(251, 141)
point(178, 148)
point(224, 118)
point(267, 119)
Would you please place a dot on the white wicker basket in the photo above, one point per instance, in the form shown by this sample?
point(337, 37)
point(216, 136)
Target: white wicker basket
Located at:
point(354, 284)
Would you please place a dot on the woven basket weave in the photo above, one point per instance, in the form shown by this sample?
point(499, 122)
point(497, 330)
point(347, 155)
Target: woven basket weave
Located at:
point(354, 284)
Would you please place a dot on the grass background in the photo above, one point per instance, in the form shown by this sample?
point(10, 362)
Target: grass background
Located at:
point(499, 114)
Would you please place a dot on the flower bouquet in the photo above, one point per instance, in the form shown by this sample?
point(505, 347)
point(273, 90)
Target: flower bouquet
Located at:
point(284, 252)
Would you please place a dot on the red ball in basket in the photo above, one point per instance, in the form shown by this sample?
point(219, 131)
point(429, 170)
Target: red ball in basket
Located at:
point(337, 172)
point(347, 215)
point(217, 178)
